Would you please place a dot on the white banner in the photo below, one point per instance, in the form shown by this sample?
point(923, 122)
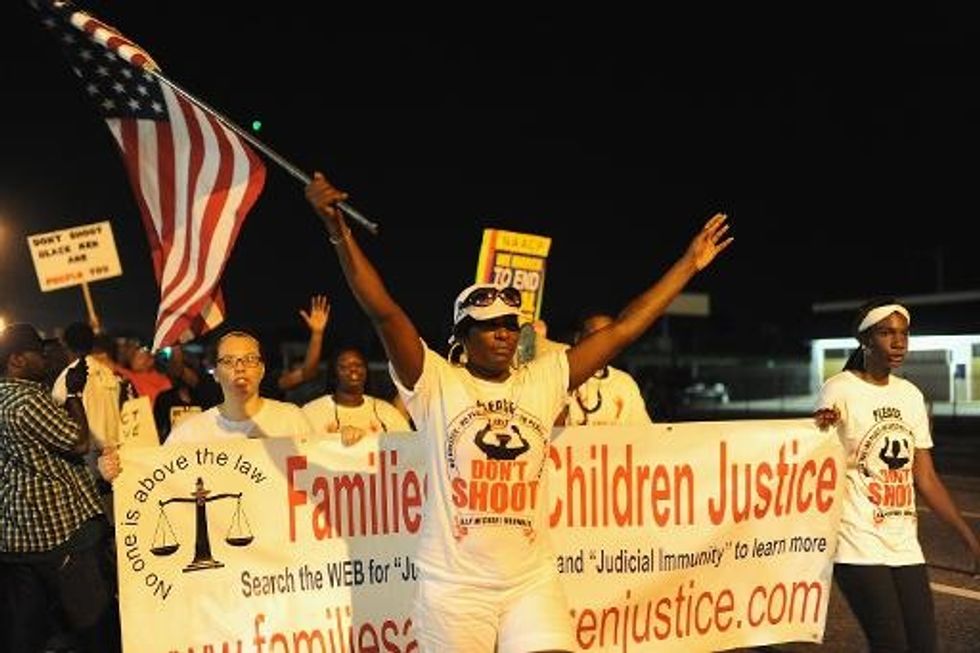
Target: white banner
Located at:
point(80, 254)
point(699, 536)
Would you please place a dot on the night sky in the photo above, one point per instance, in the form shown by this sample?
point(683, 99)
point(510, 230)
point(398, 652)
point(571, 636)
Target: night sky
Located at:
point(843, 148)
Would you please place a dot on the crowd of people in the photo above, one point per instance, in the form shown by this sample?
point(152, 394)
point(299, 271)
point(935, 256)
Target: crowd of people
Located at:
point(480, 589)
point(61, 405)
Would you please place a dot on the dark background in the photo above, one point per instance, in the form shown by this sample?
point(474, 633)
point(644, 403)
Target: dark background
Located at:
point(842, 146)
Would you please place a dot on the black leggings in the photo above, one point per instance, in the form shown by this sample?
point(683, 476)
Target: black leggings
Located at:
point(892, 604)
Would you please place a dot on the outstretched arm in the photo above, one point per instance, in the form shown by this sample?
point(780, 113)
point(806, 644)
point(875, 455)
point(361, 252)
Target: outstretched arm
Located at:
point(932, 489)
point(393, 326)
point(316, 320)
point(591, 353)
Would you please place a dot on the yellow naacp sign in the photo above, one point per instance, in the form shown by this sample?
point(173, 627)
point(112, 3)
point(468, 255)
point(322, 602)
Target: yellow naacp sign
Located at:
point(514, 259)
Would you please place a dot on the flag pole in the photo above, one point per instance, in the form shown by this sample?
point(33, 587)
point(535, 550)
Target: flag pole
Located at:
point(259, 145)
point(93, 318)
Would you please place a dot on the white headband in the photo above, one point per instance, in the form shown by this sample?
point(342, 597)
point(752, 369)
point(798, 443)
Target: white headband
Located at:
point(876, 315)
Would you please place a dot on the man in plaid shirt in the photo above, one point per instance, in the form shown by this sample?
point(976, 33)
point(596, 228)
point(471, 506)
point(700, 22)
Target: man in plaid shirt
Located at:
point(53, 532)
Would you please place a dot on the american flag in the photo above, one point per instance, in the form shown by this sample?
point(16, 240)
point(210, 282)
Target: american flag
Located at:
point(194, 179)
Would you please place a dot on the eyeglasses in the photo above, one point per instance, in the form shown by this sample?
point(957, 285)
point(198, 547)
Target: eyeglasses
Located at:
point(248, 360)
point(487, 295)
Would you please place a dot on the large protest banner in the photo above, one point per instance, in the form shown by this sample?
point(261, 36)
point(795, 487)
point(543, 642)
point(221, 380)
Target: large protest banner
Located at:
point(696, 536)
point(683, 537)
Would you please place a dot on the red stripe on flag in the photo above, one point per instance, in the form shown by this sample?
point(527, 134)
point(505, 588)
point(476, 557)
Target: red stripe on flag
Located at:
point(190, 301)
point(202, 289)
point(114, 41)
point(129, 146)
point(166, 187)
point(184, 222)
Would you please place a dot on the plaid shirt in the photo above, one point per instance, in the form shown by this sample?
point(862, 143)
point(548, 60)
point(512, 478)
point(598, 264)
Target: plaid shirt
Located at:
point(46, 491)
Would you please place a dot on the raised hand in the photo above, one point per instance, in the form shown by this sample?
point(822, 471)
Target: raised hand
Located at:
point(108, 463)
point(76, 376)
point(710, 241)
point(319, 313)
point(826, 417)
point(351, 435)
point(321, 194)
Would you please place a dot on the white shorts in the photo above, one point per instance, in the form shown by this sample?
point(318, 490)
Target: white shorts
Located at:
point(533, 616)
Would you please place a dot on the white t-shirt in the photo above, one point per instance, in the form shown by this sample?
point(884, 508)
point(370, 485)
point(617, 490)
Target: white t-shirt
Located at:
point(611, 398)
point(373, 416)
point(274, 419)
point(881, 427)
point(100, 398)
point(485, 518)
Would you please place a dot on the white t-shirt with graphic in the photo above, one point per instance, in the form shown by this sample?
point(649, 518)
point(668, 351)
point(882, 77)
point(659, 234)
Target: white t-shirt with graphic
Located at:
point(373, 416)
point(609, 397)
point(881, 427)
point(274, 419)
point(485, 518)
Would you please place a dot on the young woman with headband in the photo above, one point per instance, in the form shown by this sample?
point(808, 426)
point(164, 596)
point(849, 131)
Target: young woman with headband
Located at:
point(884, 427)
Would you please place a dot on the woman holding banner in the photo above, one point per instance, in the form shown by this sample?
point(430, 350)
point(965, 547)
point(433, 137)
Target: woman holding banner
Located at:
point(350, 411)
point(487, 573)
point(884, 426)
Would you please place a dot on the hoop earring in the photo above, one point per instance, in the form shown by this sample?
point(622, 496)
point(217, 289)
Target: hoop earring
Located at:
point(457, 353)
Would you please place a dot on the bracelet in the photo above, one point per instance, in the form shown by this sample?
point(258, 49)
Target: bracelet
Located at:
point(73, 395)
point(344, 235)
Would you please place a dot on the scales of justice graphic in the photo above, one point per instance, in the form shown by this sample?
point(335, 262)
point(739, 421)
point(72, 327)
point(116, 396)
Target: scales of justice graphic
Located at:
point(165, 540)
